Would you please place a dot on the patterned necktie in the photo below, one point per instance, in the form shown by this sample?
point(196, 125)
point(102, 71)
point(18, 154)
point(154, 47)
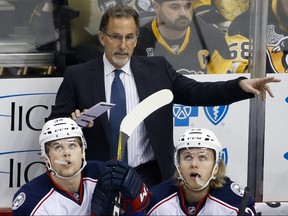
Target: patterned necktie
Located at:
point(117, 113)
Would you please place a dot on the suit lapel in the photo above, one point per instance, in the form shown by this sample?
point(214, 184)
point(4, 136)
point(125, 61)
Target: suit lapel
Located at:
point(141, 79)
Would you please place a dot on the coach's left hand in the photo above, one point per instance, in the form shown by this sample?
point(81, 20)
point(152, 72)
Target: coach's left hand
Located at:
point(258, 86)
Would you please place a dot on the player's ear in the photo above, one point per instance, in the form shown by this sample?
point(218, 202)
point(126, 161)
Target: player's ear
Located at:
point(47, 162)
point(216, 170)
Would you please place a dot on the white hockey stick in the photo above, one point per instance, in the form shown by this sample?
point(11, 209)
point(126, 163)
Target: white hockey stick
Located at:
point(138, 114)
point(133, 119)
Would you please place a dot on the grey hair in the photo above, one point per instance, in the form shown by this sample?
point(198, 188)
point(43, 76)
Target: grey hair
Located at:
point(118, 11)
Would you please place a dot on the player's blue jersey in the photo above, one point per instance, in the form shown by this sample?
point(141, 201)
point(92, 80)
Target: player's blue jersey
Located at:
point(168, 199)
point(41, 196)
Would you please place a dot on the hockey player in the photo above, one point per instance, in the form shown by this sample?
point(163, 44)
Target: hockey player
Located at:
point(200, 186)
point(187, 42)
point(277, 34)
point(68, 186)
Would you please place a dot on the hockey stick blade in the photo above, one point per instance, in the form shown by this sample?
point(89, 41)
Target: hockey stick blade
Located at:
point(138, 114)
point(133, 119)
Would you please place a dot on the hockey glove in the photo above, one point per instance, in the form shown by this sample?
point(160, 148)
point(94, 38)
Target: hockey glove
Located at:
point(125, 179)
point(138, 204)
point(103, 197)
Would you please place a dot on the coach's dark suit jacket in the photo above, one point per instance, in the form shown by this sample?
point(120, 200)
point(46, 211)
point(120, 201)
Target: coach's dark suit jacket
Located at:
point(83, 87)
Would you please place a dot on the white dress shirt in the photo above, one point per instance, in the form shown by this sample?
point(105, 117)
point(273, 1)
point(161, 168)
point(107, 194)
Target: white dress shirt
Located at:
point(139, 151)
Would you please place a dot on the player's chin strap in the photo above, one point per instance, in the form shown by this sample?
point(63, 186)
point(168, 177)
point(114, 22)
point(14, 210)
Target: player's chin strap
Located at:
point(51, 170)
point(203, 185)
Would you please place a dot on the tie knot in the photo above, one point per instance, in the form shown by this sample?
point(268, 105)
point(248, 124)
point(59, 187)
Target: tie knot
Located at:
point(117, 72)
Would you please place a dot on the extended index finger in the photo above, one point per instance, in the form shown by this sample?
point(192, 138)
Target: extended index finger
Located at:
point(271, 79)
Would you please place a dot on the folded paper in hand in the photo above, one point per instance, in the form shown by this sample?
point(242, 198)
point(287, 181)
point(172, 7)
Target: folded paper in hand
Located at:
point(93, 113)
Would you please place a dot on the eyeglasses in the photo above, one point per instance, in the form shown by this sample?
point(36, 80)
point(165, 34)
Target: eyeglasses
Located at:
point(130, 38)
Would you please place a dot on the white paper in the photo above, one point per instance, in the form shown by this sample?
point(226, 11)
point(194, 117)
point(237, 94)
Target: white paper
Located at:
point(93, 113)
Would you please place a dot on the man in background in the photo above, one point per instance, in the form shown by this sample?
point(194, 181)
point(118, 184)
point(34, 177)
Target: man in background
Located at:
point(191, 45)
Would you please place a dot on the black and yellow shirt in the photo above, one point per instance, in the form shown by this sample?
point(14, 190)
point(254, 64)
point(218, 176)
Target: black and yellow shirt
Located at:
point(203, 49)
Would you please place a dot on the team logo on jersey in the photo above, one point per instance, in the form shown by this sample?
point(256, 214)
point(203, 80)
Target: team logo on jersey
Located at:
point(277, 50)
point(150, 52)
point(237, 189)
point(282, 45)
point(18, 201)
point(183, 113)
point(175, 48)
point(216, 114)
point(191, 210)
point(278, 57)
point(272, 37)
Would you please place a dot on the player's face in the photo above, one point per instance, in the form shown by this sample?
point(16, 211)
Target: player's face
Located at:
point(176, 15)
point(119, 40)
point(65, 156)
point(196, 162)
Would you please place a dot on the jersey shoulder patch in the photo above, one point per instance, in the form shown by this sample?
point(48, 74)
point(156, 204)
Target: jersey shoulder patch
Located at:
point(18, 201)
point(237, 189)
